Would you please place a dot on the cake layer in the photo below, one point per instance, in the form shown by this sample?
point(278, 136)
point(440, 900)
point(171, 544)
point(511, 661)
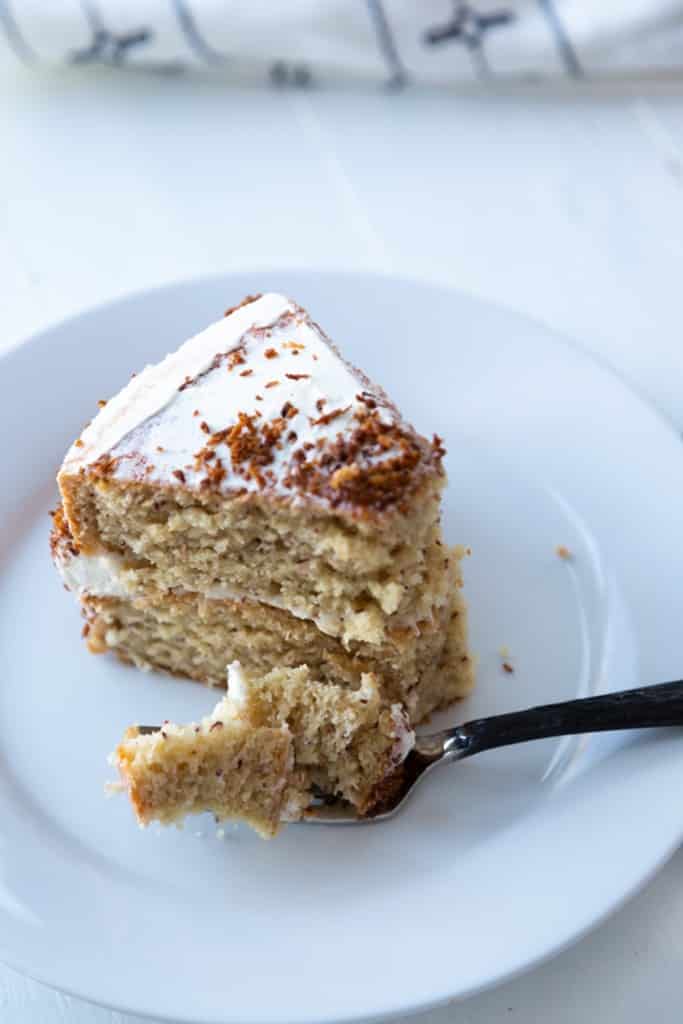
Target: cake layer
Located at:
point(352, 582)
point(257, 461)
point(266, 751)
point(196, 637)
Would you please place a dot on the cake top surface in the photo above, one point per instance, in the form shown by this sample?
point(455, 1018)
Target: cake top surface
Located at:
point(260, 401)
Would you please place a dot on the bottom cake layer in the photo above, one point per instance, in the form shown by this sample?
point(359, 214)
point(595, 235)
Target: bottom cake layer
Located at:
point(425, 669)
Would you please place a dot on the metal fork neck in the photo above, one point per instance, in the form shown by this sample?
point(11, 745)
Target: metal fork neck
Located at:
point(447, 745)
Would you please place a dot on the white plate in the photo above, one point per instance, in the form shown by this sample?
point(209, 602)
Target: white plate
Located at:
point(497, 862)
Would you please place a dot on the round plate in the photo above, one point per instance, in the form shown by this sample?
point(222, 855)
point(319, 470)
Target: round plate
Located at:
point(496, 862)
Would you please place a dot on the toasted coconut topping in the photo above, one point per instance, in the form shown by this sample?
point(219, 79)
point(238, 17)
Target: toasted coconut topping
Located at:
point(345, 444)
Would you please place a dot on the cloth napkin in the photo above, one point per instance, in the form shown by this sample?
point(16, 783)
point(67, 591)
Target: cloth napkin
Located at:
point(309, 42)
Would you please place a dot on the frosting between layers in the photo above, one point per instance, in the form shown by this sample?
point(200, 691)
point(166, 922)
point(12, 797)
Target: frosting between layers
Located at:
point(99, 575)
point(405, 736)
point(104, 575)
point(259, 401)
point(238, 686)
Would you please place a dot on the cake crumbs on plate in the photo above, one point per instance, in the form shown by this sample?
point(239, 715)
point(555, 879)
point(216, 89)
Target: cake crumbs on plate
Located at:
point(507, 667)
point(564, 553)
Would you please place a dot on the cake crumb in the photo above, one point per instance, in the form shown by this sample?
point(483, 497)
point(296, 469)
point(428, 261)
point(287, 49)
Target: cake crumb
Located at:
point(507, 667)
point(504, 652)
point(270, 353)
point(563, 552)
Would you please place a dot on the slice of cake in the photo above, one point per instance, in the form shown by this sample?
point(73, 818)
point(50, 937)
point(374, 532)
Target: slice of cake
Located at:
point(255, 497)
point(267, 751)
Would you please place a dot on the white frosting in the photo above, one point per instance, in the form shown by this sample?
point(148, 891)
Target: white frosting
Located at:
point(98, 575)
point(157, 386)
point(224, 711)
point(155, 427)
point(325, 621)
point(238, 687)
point(405, 736)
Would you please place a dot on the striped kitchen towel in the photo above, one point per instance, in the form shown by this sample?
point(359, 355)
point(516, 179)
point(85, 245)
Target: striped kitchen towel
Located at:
point(324, 42)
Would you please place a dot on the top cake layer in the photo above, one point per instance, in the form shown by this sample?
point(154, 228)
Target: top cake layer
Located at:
point(259, 402)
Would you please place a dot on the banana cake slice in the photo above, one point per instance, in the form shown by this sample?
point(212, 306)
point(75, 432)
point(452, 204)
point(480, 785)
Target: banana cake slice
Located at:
point(266, 750)
point(255, 497)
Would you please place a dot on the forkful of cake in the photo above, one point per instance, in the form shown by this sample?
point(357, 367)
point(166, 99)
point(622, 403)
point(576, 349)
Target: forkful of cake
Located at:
point(288, 748)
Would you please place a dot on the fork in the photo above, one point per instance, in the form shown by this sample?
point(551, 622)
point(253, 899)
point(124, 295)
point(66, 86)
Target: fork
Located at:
point(643, 708)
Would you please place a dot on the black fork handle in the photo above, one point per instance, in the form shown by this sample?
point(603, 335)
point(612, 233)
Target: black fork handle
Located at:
point(643, 708)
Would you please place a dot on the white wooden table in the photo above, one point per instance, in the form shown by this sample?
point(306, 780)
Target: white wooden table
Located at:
point(568, 207)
